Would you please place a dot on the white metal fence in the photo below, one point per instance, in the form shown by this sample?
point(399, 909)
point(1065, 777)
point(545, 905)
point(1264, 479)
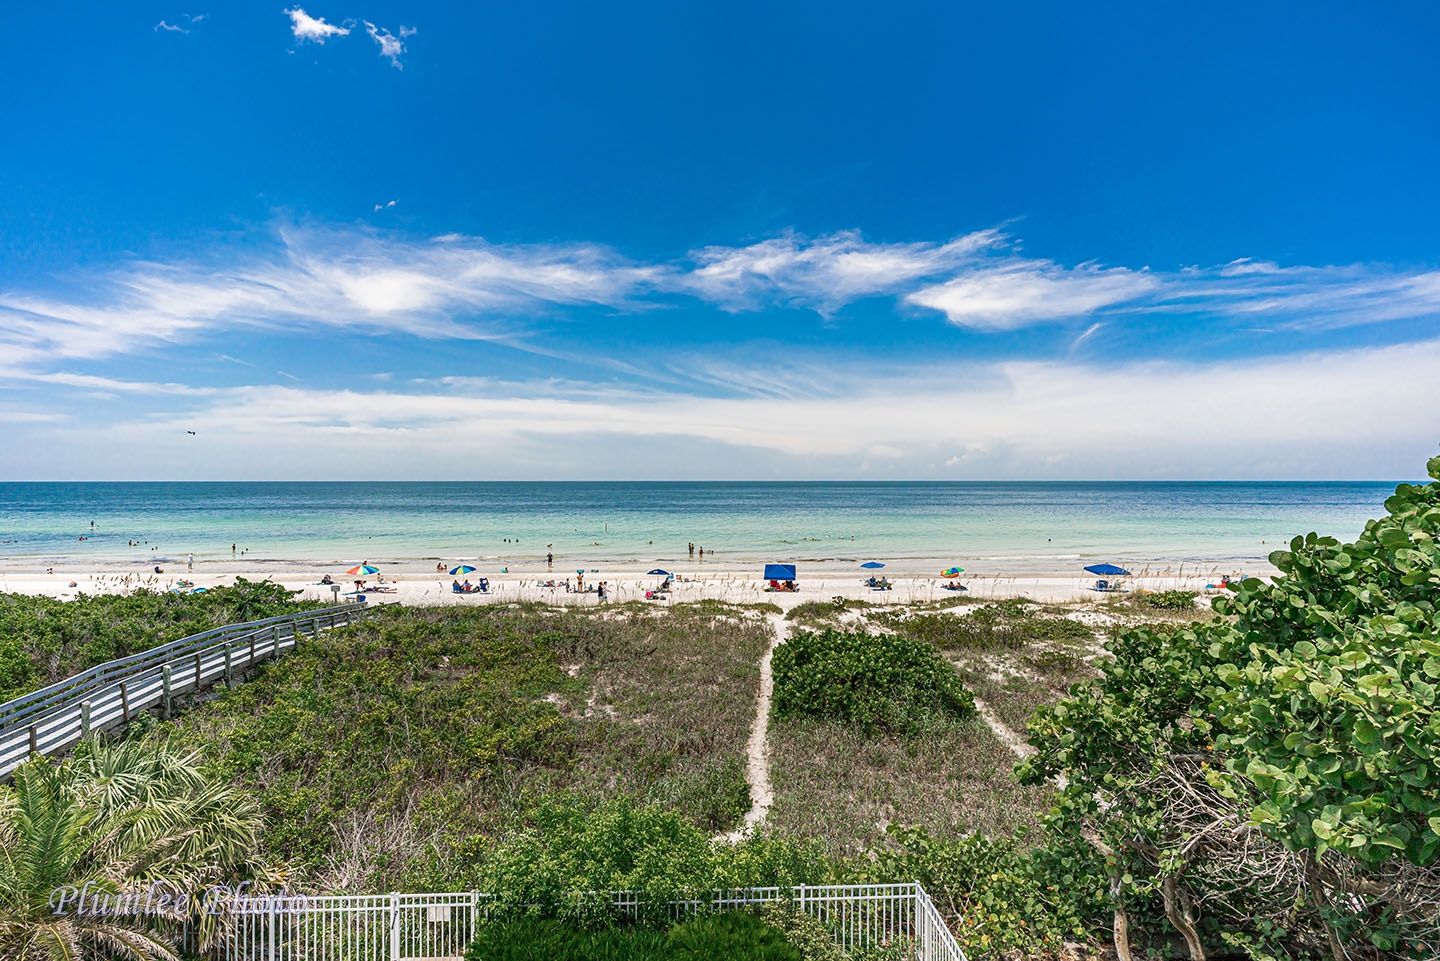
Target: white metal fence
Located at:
point(56, 718)
point(438, 927)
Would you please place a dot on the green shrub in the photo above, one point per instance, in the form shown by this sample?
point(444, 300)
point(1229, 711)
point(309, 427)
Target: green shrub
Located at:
point(735, 936)
point(1168, 600)
point(1311, 710)
point(1004, 897)
point(806, 934)
point(886, 681)
point(570, 854)
point(47, 639)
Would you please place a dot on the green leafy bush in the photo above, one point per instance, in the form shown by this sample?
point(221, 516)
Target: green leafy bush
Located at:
point(811, 940)
point(1312, 715)
point(570, 854)
point(736, 936)
point(885, 681)
point(1168, 600)
point(1006, 897)
point(46, 639)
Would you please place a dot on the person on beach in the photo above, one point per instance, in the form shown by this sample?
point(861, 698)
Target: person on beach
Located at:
point(190, 561)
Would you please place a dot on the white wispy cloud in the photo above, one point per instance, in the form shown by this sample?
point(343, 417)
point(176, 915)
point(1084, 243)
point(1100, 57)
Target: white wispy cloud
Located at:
point(1022, 420)
point(1308, 296)
point(822, 273)
point(162, 25)
point(315, 29)
point(391, 46)
point(385, 206)
point(464, 288)
point(455, 288)
point(1025, 292)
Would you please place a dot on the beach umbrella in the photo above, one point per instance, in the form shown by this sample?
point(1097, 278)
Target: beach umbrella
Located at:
point(952, 572)
point(872, 565)
point(363, 569)
point(462, 569)
point(1108, 570)
point(657, 572)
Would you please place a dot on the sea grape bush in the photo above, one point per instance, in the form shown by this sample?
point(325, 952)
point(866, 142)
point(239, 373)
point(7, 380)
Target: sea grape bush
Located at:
point(1007, 898)
point(1329, 688)
point(880, 681)
point(1293, 744)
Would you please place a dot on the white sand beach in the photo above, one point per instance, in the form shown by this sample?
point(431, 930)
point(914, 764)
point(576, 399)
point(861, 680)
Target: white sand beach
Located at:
point(414, 583)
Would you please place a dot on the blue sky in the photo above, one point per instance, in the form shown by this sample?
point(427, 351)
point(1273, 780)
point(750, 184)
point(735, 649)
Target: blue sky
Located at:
point(921, 240)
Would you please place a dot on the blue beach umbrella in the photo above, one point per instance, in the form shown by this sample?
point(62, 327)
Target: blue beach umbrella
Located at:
point(1108, 570)
point(462, 569)
point(657, 572)
point(872, 565)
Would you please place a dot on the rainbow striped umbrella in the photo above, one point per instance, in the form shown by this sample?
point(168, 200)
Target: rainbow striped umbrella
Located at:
point(952, 572)
point(363, 569)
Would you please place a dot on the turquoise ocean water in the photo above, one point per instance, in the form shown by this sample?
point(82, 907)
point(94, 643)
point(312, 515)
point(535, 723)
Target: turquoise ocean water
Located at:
point(997, 526)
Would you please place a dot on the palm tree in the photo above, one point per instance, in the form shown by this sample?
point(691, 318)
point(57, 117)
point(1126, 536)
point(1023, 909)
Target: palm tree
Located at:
point(127, 819)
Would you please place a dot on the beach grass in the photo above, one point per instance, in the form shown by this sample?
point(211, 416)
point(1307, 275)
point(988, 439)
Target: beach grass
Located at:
point(843, 786)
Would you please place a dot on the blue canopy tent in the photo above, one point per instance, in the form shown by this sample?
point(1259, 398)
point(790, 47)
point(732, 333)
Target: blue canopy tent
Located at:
point(779, 572)
point(1108, 570)
point(872, 565)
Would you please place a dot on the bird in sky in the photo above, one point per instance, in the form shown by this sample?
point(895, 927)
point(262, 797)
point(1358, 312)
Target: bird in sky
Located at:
point(190, 432)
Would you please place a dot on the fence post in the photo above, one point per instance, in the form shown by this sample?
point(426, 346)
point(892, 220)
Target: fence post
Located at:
point(124, 703)
point(274, 934)
point(84, 719)
point(197, 672)
point(165, 692)
point(229, 666)
point(394, 926)
point(33, 745)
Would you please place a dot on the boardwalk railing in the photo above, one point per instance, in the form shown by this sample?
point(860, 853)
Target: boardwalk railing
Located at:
point(438, 927)
point(56, 718)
